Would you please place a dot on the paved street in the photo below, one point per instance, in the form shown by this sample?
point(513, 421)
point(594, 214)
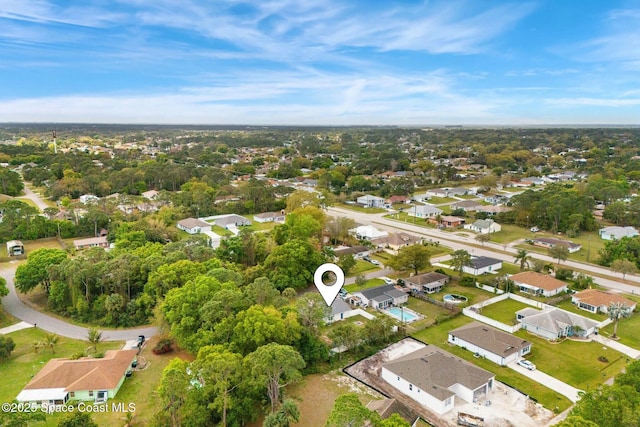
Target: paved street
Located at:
point(16, 308)
point(502, 252)
point(34, 197)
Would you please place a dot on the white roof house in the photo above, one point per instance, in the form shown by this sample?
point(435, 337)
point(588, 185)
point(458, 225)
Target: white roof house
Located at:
point(369, 201)
point(553, 323)
point(424, 211)
point(484, 226)
point(615, 232)
point(193, 225)
point(368, 232)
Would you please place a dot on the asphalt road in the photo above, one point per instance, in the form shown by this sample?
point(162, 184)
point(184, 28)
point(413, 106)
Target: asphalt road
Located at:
point(28, 194)
point(14, 306)
point(498, 251)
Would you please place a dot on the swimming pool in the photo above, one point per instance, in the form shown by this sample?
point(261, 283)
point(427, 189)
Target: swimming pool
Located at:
point(404, 315)
point(454, 298)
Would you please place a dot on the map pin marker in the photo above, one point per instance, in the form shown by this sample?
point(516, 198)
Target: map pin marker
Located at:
point(329, 292)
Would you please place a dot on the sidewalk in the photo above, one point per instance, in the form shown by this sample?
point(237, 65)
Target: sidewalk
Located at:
point(624, 349)
point(16, 327)
point(548, 381)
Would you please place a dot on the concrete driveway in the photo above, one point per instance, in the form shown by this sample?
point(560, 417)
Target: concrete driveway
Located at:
point(548, 381)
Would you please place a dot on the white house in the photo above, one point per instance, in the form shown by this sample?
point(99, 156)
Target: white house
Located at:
point(434, 378)
point(369, 201)
point(151, 194)
point(538, 284)
point(553, 323)
point(491, 343)
point(382, 297)
point(340, 310)
point(550, 242)
point(367, 232)
point(193, 225)
point(615, 232)
point(277, 217)
point(88, 198)
point(424, 211)
point(481, 265)
point(484, 226)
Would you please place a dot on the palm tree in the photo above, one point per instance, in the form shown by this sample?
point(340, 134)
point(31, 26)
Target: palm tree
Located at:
point(50, 341)
point(94, 336)
point(617, 311)
point(523, 258)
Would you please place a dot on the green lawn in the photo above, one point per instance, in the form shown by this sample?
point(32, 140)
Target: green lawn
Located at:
point(628, 331)
point(440, 200)
point(437, 335)
point(6, 319)
point(569, 306)
point(504, 311)
point(32, 245)
point(259, 226)
point(430, 311)
point(372, 283)
point(591, 246)
point(404, 217)
point(575, 362)
point(510, 232)
point(362, 267)
point(360, 208)
point(475, 295)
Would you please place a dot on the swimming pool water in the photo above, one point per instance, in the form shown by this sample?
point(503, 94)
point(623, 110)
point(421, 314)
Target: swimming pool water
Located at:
point(402, 315)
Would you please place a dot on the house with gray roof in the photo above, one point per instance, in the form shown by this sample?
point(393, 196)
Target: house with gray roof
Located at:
point(481, 265)
point(498, 346)
point(369, 201)
point(434, 378)
point(467, 205)
point(554, 323)
point(228, 221)
point(616, 233)
point(193, 225)
point(428, 282)
point(424, 211)
point(340, 310)
point(382, 297)
point(484, 226)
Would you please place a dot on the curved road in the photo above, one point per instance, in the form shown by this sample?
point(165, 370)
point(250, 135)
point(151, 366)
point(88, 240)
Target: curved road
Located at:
point(16, 308)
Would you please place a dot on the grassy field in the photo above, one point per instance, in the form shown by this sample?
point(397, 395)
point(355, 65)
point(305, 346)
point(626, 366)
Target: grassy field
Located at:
point(511, 232)
point(628, 331)
point(430, 311)
point(372, 283)
point(591, 246)
point(32, 245)
point(6, 319)
point(575, 362)
point(474, 295)
point(360, 208)
point(569, 306)
point(437, 335)
point(504, 311)
point(362, 267)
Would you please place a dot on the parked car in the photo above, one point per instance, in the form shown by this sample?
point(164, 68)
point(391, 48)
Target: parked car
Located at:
point(535, 229)
point(526, 364)
point(388, 281)
point(374, 262)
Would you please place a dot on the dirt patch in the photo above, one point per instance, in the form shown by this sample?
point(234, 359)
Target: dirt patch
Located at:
point(502, 406)
point(316, 394)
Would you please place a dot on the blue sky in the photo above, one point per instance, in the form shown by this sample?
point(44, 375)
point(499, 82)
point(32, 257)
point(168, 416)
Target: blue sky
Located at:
point(320, 62)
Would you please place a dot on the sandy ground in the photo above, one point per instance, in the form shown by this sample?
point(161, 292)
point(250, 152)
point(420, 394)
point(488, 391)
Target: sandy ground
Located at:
point(506, 406)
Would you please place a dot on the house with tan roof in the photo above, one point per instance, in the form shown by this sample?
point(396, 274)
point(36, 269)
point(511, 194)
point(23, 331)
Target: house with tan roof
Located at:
point(91, 242)
point(395, 241)
point(434, 378)
point(534, 283)
point(498, 346)
point(428, 282)
point(85, 379)
point(596, 301)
